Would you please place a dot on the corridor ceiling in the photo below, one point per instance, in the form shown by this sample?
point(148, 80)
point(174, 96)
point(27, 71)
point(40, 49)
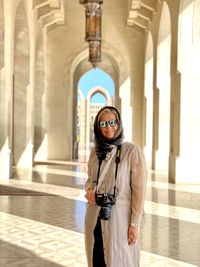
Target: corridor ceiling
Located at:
point(139, 12)
point(124, 27)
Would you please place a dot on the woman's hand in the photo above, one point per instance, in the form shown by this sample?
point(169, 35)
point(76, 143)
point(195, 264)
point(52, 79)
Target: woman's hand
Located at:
point(90, 196)
point(133, 233)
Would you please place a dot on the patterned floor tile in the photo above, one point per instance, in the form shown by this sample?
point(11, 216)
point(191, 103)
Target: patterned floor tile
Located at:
point(41, 223)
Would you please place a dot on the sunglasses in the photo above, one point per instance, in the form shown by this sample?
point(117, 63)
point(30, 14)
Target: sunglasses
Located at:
point(112, 123)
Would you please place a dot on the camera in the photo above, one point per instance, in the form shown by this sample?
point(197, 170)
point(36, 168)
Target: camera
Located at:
point(105, 201)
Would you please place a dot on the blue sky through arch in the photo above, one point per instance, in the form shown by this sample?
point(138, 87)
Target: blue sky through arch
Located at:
point(93, 78)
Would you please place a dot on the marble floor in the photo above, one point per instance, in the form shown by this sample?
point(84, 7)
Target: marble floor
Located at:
point(42, 215)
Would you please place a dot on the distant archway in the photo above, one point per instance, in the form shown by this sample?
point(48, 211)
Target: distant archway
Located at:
point(80, 65)
point(90, 113)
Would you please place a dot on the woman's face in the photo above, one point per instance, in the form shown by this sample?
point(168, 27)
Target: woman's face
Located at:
point(108, 124)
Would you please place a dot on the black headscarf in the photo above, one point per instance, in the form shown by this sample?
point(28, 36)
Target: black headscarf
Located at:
point(104, 145)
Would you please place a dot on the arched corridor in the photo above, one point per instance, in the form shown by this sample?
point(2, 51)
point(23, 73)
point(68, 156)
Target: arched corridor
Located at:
point(39, 81)
point(150, 51)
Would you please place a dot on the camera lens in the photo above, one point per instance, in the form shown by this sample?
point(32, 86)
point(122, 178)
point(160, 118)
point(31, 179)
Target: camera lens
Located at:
point(106, 201)
point(105, 212)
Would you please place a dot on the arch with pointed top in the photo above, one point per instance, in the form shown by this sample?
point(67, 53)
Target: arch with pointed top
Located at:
point(113, 64)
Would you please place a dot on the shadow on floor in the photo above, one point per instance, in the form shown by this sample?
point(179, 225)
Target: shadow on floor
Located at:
point(14, 255)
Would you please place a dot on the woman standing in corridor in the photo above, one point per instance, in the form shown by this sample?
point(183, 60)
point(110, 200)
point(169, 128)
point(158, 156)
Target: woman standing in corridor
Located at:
point(115, 191)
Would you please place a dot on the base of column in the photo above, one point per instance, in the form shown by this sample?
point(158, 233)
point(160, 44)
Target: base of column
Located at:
point(5, 164)
point(187, 170)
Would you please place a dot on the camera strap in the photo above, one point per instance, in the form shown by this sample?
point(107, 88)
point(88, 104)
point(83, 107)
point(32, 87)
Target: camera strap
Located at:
point(117, 161)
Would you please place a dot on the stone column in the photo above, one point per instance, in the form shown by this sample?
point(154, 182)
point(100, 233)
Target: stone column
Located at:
point(7, 135)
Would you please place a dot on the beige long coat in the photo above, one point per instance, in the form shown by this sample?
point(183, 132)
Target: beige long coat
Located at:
point(131, 184)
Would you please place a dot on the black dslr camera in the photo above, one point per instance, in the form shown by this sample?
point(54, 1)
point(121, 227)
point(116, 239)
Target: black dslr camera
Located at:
point(106, 201)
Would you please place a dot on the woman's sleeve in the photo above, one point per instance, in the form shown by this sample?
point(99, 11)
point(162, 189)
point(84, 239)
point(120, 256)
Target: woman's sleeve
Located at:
point(138, 185)
point(89, 183)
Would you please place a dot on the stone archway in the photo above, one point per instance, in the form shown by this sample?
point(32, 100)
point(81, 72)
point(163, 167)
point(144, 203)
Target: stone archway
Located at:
point(92, 92)
point(113, 64)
